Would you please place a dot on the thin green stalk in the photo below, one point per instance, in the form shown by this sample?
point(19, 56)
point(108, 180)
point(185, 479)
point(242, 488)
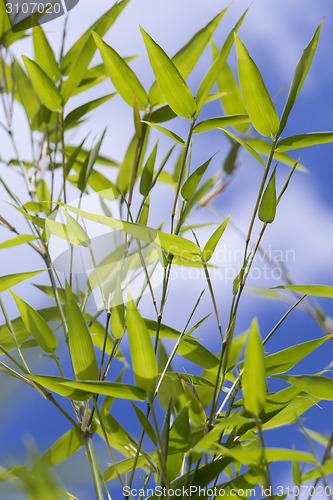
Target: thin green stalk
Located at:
point(181, 173)
point(210, 286)
point(11, 330)
point(269, 484)
point(326, 456)
point(93, 466)
point(159, 453)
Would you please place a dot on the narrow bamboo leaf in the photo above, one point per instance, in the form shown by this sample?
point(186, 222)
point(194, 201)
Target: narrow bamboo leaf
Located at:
point(170, 242)
point(318, 386)
point(192, 350)
point(163, 114)
point(213, 72)
point(326, 468)
point(17, 240)
point(61, 230)
point(26, 91)
point(36, 325)
point(167, 132)
point(75, 115)
point(258, 103)
point(64, 447)
point(81, 390)
point(122, 76)
point(192, 182)
point(80, 344)
point(300, 75)
point(101, 26)
point(146, 425)
point(44, 55)
point(89, 164)
point(254, 379)
point(231, 100)
point(244, 482)
point(319, 290)
point(142, 351)
point(78, 230)
point(117, 322)
point(265, 147)
point(196, 411)
point(43, 85)
point(148, 173)
point(284, 360)
point(169, 79)
point(247, 146)
point(297, 473)
point(213, 240)
point(126, 465)
point(44, 195)
point(187, 57)
point(251, 456)
point(179, 436)
point(79, 57)
point(304, 140)
point(101, 160)
point(12, 279)
point(267, 208)
point(223, 121)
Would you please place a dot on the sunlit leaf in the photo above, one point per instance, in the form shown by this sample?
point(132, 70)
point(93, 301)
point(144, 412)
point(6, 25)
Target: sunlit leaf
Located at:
point(170, 81)
point(17, 240)
point(12, 279)
point(210, 246)
point(43, 85)
point(190, 185)
point(44, 55)
point(258, 103)
point(142, 351)
point(223, 121)
point(300, 75)
point(304, 140)
point(254, 378)
point(247, 146)
point(196, 411)
point(122, 76)
point(267, 208)
point(36, 325)
point(167, 132)
point(80, 344)
point(318, 386)
point(319, 290)
point(148, 173)
point(146, 425)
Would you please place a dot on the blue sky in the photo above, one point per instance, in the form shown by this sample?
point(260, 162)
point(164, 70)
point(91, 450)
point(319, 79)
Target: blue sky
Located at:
point(275, 33)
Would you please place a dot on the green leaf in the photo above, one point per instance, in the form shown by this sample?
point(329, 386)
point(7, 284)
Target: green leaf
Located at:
point(148, 173)
point(44, 86)
point(326, 468)
point(258, 103)
point(252, 456)
point(80, 344)
point(12, 279)
point(81, 390)
point(192, 182)
point(78, 230)
point(265, 147)
point(61, 230)
point(223, 121)
point(284, 360)
point(232, 100)
point(192, 350)
point(187, 57)
point(26, 91)
point(247, 146)
point(101, 26)
point(196, 410)
point(44, 55)
point(44, 195)
point(36, 325)
point(213, 240)
point(17, 240)
point(169, 242)
point(254, 378)
point(304, 140)
point(122, 76)
point(267, 208)
point(142, 351)
point(318, 386)
point(77, 60)
point(300, 75)
point(64, 447)
point(146, 425)
point(167, 132)
point(319, 290)
point(75, 115)
point(169, 79)
point(214, 71)
point(126, 465)
point(89, 164)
